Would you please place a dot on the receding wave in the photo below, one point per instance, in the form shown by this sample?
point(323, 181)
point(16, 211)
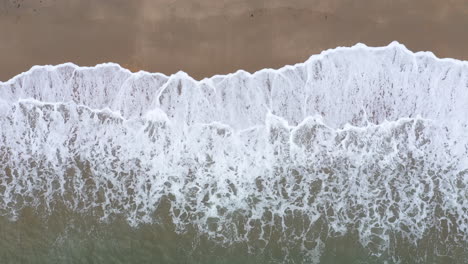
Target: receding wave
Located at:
point(366, 141)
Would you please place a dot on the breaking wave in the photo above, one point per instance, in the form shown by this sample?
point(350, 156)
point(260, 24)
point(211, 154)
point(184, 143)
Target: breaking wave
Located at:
point(359, 140)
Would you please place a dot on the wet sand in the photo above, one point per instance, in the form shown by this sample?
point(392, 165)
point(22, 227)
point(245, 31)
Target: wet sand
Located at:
point(207, 37)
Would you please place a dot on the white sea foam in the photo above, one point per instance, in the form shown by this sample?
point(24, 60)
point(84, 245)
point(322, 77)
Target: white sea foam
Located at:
point(359, 139)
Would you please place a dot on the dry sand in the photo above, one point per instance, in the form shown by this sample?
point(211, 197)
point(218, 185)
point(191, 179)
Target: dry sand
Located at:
point(206, 37)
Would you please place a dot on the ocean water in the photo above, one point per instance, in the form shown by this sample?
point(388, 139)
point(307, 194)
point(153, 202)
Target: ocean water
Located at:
point(358, 155)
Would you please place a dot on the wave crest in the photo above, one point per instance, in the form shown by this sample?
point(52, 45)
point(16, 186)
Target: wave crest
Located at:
point(356, 140)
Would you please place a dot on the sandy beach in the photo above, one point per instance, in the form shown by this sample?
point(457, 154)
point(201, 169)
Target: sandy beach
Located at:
point(359, 155)
point(207, 37)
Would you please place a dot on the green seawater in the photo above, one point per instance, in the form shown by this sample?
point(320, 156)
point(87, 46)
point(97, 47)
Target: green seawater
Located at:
point(69, 237)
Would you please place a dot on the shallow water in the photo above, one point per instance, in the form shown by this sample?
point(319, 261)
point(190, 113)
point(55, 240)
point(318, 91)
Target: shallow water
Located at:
point(72, 238)
point(358, 155)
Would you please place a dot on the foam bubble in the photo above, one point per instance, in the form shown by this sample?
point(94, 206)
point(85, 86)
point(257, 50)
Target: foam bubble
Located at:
point(356, 140)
